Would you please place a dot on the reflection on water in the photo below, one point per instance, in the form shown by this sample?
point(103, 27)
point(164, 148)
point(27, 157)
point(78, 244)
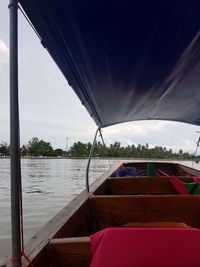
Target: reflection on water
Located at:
point(48, 185)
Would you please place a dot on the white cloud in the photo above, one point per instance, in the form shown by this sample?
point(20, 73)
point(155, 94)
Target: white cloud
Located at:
point(129, 142)
point(185, 144)
point(4, 51)
point(137, 128)
point(188, 145)
point(4, 54)
point(156, 133)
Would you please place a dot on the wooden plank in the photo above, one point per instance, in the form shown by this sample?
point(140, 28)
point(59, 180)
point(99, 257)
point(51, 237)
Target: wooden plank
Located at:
point(69, 240)
point(142, 185)
point(137, 165)
point(156, 224)
point(119, 210)
point(189, 170)
point(102, 189)
point(74, 252)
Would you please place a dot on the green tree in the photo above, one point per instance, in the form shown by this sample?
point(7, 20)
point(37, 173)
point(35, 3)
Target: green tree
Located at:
point(58, 152)
point(4, 149)
point(180, 153)
point(100, 150)
point(38, 147)
point(79, 149)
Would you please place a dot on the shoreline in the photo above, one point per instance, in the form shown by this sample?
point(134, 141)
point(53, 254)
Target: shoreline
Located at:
point(109, 158)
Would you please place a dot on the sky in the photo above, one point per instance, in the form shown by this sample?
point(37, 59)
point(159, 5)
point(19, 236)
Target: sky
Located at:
point(50, 110)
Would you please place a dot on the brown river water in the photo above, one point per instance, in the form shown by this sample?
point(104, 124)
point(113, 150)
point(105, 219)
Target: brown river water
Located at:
point(48, 185)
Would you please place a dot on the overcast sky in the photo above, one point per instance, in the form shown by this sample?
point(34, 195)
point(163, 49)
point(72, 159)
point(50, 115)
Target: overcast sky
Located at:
point(50, 110)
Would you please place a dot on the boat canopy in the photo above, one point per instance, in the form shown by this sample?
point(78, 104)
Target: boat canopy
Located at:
point(126, 60)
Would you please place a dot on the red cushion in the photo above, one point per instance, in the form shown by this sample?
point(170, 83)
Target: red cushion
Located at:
point(146, 247)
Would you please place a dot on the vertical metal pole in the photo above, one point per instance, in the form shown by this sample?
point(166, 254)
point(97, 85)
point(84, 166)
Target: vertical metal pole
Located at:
point(195, 153)
point(104, 144)
point(89, 159)
point(14, 136)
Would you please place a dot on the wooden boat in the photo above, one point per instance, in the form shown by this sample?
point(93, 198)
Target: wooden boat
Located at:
point(140, 201)
point(126, 61)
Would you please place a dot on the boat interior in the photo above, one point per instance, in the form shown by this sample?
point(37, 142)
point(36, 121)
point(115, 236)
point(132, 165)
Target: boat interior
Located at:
point(135, 202)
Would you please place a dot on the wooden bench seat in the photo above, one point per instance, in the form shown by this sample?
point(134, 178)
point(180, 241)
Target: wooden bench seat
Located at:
point(75, 252)
point(143, 185)
point(112, 211)
point(132, 246)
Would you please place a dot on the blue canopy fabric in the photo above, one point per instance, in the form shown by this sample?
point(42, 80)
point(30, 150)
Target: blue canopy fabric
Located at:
point(125, 59)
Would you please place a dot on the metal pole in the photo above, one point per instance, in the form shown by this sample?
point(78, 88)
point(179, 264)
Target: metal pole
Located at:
point(14, 136)
point(89, 159)
point(100, 131)
point(198, 142)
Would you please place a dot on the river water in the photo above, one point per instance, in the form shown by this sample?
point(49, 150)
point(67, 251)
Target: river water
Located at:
point(48, 185)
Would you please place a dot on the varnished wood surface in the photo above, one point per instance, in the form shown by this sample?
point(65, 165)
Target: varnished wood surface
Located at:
point(119, 210)
point(142, 185)
point(73, 252)
point(189, 170)
point(156, 224)
point(69, 240)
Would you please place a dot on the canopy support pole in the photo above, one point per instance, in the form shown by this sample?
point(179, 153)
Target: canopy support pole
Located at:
point(89, 159)
point(15, 137)
point(102, 137)
point(103, 142)
point(195, 153)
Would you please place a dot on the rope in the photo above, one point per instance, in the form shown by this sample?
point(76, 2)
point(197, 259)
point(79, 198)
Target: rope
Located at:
point(29, 22)
point(22, 254)
point(16, 258)
point(22, 226)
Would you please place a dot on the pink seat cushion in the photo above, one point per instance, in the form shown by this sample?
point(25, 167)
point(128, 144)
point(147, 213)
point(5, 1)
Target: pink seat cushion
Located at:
point(146, 247)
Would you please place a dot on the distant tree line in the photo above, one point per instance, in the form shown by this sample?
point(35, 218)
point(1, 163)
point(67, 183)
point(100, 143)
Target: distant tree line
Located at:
point(80, 149)
point(36, 148)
